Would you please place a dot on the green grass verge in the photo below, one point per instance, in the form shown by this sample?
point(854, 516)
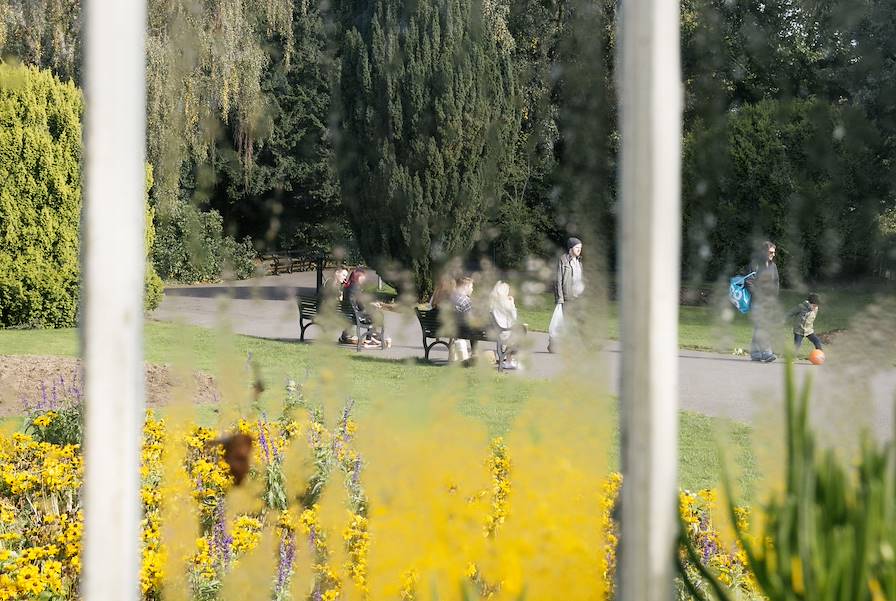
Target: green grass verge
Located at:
point(709, 328)
point(483, 394)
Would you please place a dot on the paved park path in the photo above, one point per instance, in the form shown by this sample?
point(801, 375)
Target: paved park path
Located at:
point(712, 384)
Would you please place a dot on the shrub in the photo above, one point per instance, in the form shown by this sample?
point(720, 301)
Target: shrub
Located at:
point(803, 173)
point(40, 199)
point(153, 287)
point(192, 248)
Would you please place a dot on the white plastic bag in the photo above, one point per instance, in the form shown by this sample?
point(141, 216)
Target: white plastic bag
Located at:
point(556, 327)
point(460, 350)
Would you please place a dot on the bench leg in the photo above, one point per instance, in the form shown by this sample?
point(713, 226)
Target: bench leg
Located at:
point(426, 350)
point(358, 333)
point(302, 328)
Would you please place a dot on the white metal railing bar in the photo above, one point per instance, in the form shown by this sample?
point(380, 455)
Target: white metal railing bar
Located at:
point(113, 259)
point(650, 104)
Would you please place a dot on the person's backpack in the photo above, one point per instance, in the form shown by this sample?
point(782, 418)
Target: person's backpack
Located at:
point(739, 294)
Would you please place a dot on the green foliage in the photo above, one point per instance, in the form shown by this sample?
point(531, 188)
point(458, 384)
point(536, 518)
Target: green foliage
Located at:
point(40, 199)
point(425, 100)
point(832, 533)
point(288, 197)
point(153, 289)
point(205, 63)
point(801, 173)
point(886, 248)
point(518, 226)
point(190, 247)
point(44, 34)
point(61, 426)
point(41, 205)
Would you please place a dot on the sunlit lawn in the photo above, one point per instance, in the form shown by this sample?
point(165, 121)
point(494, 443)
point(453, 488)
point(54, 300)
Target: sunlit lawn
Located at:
point(716, 328)
point(484, 395)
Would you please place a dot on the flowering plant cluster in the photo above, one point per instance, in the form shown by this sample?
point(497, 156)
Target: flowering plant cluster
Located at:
point(491, 511)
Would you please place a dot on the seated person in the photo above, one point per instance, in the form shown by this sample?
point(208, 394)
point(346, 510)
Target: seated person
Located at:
point(353, 294)
point(335, 286)
point(504, 314)
point(442, 292)
point(461, 301)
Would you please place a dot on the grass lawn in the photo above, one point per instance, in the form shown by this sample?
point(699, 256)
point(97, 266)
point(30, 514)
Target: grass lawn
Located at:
point(706, 328)
point(334, 375)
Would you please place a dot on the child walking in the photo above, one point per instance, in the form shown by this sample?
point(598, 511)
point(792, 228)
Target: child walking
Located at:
point(804, 322)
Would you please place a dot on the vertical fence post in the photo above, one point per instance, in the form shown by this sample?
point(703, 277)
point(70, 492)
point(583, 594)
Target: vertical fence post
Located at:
point(113, 258)
point(650, 104)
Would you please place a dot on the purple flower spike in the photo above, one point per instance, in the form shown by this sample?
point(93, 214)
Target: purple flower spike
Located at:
point(287, 556)
point(221, 540)
point(263, 440)
point(356, 472)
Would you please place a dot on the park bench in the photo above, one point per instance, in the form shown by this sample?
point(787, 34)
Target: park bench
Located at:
point(282, 263)
point(292, 261)
point(431, 326)
point(309, 308)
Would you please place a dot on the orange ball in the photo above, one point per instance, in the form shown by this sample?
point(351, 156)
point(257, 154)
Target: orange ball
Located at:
point(816, 357)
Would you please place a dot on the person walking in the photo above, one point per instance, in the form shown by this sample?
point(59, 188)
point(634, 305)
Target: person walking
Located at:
point(568, 288)
point(804, 322)
point(765, 287)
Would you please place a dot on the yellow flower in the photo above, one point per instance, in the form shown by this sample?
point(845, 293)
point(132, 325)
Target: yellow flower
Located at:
point(45, 419)
point(52, 574)
point(246, 534)
point(8, 588)
point(28, 580)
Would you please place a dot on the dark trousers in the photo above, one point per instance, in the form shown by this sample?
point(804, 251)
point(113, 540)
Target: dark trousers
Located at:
point(814, 339)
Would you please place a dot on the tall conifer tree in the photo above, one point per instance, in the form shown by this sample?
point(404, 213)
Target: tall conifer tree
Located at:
point(426, 124)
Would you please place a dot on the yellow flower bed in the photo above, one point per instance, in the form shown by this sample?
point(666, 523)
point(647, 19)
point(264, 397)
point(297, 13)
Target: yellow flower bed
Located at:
point(340, 511)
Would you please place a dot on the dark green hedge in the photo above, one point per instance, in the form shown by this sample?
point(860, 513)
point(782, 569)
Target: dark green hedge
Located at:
point(803, 173)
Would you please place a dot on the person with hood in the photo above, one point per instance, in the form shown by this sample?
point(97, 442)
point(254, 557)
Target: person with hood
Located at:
point(568, 288)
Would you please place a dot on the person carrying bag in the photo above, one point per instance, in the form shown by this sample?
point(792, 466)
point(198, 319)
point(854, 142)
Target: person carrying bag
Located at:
point(568, 288)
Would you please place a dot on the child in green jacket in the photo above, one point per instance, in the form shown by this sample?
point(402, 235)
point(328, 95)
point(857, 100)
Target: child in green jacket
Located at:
point(804, 322)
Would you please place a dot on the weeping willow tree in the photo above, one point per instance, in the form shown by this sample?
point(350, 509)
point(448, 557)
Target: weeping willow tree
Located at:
point(427, 124)
point(205, 64)
point(43, 33)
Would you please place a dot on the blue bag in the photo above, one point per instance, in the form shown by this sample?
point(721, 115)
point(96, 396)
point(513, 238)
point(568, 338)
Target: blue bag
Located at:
point(739, 294)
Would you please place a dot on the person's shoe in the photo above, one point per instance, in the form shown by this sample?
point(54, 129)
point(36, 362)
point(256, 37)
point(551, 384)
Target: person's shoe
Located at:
point(770, 357)
point(508, 364)
point(348, 340)
point(550, 346)
point(371, 344)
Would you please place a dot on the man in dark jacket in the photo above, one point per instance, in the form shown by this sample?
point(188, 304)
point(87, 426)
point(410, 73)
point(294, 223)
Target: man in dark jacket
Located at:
point(570, 283)
point(765, 287)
